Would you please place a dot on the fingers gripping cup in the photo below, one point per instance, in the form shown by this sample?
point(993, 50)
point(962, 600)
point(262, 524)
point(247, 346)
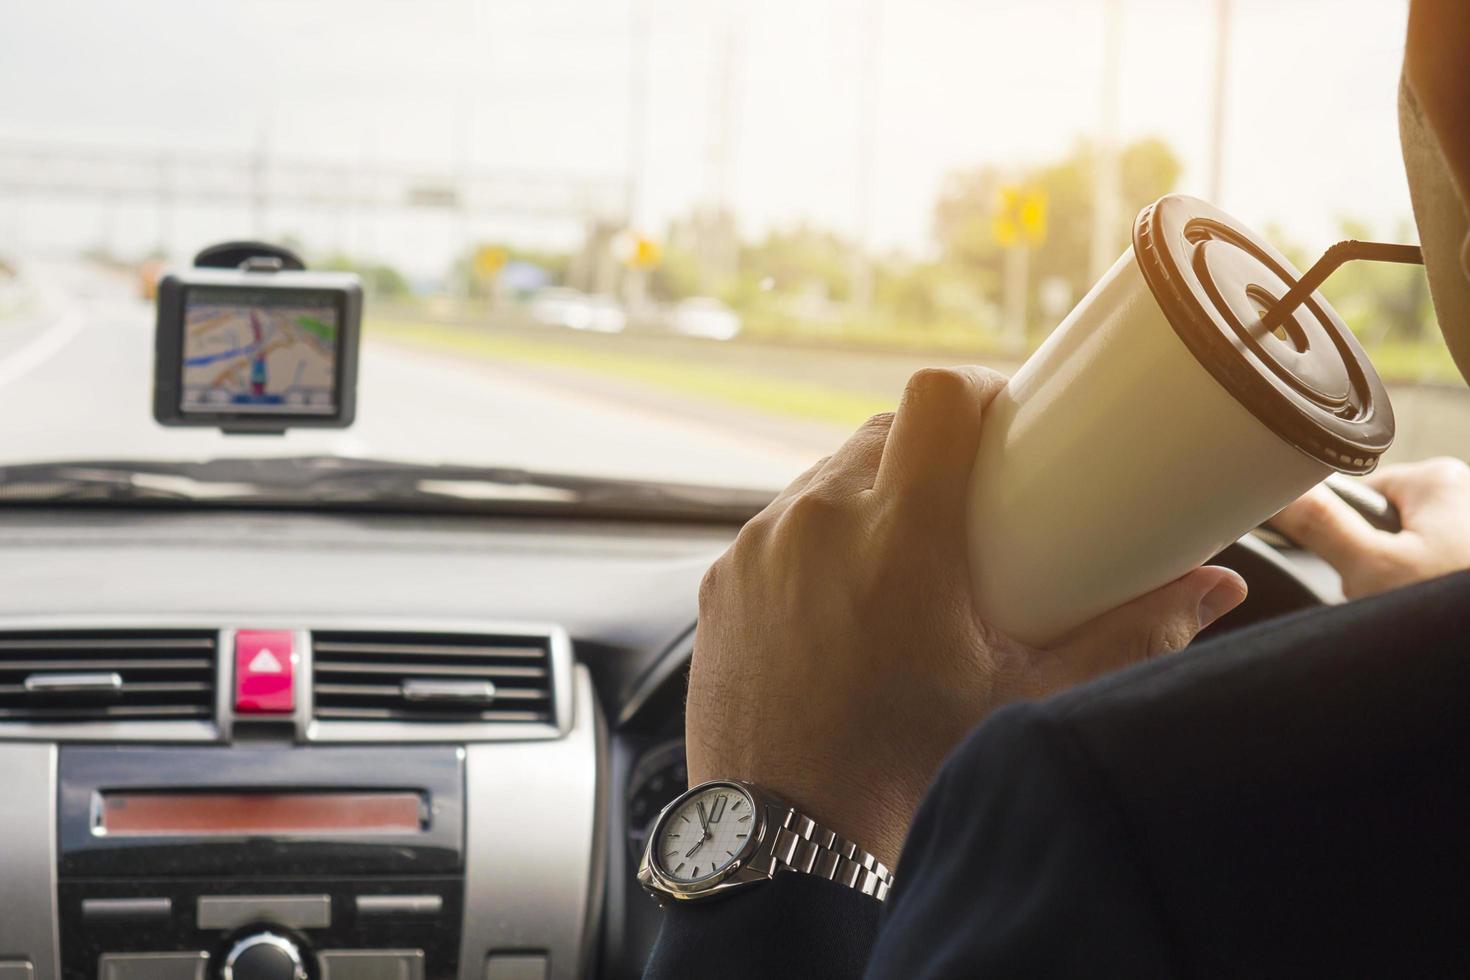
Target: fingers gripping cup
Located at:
point(1159, 422)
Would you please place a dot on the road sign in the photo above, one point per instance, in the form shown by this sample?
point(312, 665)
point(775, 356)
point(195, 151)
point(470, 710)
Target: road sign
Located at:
point(489, 259)
point(1020, 218)
point(647, 253)
point(636, 250)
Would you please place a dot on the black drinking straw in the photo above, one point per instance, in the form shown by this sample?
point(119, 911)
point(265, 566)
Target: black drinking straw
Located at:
point(1331, 259)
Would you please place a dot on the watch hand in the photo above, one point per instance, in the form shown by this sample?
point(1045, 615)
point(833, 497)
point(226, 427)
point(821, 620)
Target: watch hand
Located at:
point(703, 819)
point(697, 845)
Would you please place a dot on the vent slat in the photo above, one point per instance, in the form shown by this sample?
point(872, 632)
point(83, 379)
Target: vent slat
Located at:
point(429, 669)
point(131, 712)
point(333, 647)
point(360, 676)
point(205, 643)
point(110, 663)
point(141, 687)
point(166, 675)
point(396, 692)
point(392, 714)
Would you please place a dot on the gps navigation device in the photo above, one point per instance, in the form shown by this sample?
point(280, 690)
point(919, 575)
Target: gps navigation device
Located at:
point(245, 350)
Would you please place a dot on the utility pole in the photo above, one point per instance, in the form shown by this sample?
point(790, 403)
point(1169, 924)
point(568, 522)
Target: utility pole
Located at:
point(867, 114)
point(261, 159)
point(638, 53)
point(257, 187)
point(1106, 208)
point(1017, 272)
point(365, 190)
point(719, 246)
point(165, 205)
point(1019, 226)
point(468, 86)
point(1217, 115)
point(634, 280)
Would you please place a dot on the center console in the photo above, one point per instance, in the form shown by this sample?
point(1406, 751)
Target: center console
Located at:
point(344, 802)
point(268, 863)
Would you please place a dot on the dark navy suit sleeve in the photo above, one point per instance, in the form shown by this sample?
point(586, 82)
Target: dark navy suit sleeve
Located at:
point(1018, 865)
point(795, 926)
point(1290, 800)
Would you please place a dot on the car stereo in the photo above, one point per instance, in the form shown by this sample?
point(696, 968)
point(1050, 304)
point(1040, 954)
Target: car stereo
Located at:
point(260, 862)
point(256, 350)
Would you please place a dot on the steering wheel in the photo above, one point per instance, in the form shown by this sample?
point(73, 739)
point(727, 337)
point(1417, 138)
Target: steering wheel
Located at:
point(1283, 578)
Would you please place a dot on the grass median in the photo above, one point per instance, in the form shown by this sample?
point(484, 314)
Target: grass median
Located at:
point(698, 371)
point(683, 375)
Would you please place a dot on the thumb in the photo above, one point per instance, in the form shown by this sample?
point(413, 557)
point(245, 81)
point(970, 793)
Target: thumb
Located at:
point(1159, 622)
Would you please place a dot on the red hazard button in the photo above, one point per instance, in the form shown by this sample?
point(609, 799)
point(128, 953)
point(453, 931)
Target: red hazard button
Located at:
point(265, 668)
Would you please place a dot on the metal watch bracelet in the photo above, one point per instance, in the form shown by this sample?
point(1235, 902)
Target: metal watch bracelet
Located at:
point(806, 847)
point(782, 838)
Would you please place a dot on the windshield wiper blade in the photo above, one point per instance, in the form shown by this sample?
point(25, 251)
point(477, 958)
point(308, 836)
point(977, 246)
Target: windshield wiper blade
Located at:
point(333, 479)
point(90, 481)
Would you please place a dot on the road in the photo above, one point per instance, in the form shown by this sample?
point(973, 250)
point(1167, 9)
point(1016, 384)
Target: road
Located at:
point(75, 383)
point(1432, 419)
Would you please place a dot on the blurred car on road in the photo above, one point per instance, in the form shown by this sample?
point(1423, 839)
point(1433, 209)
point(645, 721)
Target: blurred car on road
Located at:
point(704, 316)
point(149, 272)
point(560, 307)
point(12, 292)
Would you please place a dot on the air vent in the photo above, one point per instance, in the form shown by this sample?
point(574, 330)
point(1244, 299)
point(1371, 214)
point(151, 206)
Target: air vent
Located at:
point(431, 677)
point(107, 675)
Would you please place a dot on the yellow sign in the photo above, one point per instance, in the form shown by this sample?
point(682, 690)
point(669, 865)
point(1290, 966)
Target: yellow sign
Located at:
point(636, 250)
point(1021, 217)
point(646, 253)
point(489, 259)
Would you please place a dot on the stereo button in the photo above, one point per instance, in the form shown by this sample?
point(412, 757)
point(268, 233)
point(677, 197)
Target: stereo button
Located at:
point(119, 909)
point(516, 966)
point(152, 966)
point(398, 906)
point(16, 970)
point(292, 911)
point(371, 964)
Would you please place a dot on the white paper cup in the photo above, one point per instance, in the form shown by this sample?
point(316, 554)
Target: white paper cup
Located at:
point(1156, 426)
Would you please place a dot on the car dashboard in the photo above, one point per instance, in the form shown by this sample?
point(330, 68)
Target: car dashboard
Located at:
point(467, 671)
point(374, 745)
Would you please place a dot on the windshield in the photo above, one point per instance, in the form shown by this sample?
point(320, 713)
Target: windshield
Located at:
point(694, 241)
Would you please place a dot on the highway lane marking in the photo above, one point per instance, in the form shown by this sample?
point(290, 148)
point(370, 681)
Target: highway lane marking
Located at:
point(63, 330)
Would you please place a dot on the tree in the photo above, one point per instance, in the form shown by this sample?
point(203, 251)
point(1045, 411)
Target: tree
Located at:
point(479, 285)
point(967, 204)
point(379, 280)
point(801, 260)
point(1380, 301)
point(677, 275)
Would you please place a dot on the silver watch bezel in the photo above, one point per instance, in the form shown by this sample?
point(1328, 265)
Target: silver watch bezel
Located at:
point(735, 874)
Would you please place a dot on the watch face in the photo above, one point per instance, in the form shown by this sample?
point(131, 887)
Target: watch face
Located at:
point(705, 833)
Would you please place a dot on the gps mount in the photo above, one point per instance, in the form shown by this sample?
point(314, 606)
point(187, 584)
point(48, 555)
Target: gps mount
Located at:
point(250, 342)
point(254, 256)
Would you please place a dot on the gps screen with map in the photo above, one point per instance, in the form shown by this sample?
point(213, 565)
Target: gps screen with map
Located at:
point(266, 351)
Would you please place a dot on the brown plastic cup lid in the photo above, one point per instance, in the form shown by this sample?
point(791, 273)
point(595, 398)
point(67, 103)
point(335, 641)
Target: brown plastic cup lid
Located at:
point(1309, 380)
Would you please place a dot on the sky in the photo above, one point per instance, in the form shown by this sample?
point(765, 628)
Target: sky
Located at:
point(757, 103)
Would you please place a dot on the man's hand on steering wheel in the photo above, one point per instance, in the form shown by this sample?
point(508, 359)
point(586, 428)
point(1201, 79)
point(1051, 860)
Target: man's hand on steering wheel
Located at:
point(1433, 498)
point(839, 657)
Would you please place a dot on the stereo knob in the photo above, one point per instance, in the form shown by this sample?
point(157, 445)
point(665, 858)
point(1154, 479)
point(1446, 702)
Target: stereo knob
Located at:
point(264, 956)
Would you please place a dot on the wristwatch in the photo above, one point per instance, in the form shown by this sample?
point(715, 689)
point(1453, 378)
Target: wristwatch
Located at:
point(727, 835)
